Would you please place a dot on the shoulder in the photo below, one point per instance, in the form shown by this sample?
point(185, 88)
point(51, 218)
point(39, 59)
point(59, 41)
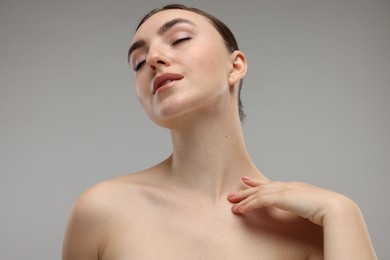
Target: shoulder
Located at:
point(93, 213)
point(96, 203)
point(101, 202)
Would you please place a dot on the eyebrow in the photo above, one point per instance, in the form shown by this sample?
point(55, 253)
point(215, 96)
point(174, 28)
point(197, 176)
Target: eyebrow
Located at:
point(163, 29)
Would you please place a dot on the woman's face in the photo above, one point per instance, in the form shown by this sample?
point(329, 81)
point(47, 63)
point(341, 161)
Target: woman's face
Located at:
point(181, 65)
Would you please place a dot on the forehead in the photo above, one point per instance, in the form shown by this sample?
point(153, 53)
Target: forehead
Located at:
point(153, 23)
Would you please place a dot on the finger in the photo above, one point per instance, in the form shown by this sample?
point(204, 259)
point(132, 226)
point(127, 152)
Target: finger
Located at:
point(258, 202)
point(238, 208)
point(259, 199)
point(255, 203)
point(241, 195)
point(253, 182)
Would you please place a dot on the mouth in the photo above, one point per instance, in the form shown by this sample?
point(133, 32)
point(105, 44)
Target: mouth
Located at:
point(164, 80)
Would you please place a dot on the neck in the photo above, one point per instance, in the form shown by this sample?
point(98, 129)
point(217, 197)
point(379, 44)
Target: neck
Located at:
point(209, 156)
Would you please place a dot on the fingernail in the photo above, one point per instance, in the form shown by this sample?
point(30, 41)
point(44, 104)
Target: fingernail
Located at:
point(234, 193)
point(246, 178)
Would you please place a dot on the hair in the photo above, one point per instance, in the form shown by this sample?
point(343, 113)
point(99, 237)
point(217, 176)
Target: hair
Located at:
point(227, 35)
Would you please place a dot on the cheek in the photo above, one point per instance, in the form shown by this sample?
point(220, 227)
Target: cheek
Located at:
point(140, 91)
point(213, 69)
point(144, 101)
point(142, 82)
point(214, 60)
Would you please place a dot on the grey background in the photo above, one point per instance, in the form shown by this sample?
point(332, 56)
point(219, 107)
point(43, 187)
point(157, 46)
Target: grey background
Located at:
point(317, 98)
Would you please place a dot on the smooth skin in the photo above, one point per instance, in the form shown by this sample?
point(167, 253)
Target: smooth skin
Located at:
point(196, 204)
point(345, 233)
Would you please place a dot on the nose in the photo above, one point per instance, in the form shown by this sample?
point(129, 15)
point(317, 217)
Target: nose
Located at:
point(157, 57)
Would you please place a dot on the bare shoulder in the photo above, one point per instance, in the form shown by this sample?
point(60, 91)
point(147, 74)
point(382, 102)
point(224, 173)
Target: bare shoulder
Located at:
point(102, 196)
point(101, 201)
point(96, 209)
point(98, 200)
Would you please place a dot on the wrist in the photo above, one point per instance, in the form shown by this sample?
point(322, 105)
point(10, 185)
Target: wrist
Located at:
point(341, 209)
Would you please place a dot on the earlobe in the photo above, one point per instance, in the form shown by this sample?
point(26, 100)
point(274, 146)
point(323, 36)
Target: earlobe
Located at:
point(239, 67)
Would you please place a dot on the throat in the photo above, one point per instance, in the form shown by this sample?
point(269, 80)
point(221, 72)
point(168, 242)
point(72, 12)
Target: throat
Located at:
point(211, 173)
point(209, 157)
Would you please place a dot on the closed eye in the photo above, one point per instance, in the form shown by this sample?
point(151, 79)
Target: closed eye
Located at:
point(181, 40)
point(138, 66)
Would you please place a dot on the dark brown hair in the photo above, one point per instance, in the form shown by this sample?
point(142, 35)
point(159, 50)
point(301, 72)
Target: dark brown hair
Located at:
point(224, 31)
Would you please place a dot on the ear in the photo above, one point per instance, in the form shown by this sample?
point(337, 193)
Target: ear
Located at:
point(239, 67)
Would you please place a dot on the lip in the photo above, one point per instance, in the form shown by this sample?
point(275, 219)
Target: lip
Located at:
point(162, 79)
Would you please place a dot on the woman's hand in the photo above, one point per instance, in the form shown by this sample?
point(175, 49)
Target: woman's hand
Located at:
point(305, 200)
point(345, 232)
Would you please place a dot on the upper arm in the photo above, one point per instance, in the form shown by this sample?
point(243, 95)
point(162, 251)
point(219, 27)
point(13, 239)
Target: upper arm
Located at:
point(85, 229)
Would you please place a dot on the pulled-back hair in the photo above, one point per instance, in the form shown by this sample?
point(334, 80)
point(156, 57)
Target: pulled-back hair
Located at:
point(227, 35)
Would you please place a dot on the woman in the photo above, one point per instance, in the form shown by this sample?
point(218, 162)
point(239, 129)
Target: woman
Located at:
point(207, 200)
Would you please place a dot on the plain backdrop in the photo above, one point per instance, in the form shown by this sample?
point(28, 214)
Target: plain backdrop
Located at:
point(316, 95)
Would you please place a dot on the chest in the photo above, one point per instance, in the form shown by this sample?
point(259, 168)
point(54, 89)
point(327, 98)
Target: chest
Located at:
point(198, 235)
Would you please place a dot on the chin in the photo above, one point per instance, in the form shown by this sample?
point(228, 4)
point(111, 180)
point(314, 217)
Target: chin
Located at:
point(167, 116)
point(175, 110)
point(173, 106)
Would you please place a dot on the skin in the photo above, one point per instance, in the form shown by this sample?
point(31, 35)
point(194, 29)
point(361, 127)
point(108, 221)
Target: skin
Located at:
point(207, 200)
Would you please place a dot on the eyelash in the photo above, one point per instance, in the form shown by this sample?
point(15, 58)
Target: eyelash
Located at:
point(178, 41)
point(181, 40)
point(139, 65)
